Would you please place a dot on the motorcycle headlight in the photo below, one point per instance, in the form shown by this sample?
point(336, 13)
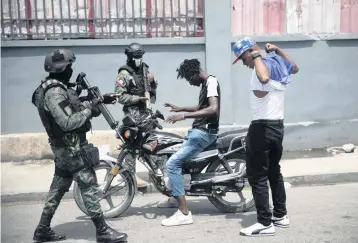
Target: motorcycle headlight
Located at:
point(127, 134)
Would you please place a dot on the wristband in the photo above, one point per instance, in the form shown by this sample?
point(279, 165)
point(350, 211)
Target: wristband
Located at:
point(183, 116)
point(255, 55)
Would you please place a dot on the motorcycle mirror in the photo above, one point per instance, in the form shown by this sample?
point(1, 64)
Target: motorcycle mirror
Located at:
point(158, 114)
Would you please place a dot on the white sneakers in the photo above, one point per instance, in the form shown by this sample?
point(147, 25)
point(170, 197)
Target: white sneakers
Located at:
point(258, 230)
point(283, 222)
point(254, 230)
point(261, 230)
point(178, 219)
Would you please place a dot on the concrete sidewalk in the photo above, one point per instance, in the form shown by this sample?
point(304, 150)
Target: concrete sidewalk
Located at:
point(35, 176)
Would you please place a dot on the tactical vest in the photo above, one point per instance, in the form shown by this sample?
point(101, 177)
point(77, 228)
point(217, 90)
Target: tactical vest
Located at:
point(53, 130)
point(138, 88)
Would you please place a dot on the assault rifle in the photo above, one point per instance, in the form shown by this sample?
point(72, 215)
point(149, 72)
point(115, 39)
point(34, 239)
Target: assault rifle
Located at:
point(146, 86)
point(95, 93)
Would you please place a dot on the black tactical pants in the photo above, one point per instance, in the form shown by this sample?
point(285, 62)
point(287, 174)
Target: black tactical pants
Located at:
point(86, 179)
point(264, 152)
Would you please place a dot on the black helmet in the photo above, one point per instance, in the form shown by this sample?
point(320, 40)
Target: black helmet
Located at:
point(134, 50)
point(57, 60)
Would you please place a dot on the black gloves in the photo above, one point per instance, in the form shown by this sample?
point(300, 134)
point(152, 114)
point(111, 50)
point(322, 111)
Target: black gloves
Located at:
point(94, 107)
point(79, 87)
point(110, 98)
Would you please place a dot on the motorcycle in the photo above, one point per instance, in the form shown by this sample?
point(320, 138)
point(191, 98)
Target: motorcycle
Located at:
point(218, 170)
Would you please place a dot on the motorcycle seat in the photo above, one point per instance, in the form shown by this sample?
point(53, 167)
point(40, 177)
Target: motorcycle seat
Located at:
point(231, 132)
point(224, 139)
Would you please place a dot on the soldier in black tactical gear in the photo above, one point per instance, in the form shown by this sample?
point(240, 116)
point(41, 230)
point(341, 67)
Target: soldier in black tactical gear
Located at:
point(130, 90)
point(66, 118)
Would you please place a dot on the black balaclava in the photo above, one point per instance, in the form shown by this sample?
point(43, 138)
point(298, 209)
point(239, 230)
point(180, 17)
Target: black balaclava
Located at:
point(64, 76)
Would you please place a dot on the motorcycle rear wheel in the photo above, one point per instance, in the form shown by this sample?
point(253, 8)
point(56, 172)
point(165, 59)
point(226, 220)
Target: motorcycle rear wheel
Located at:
point(218, 201)
point(128, 196)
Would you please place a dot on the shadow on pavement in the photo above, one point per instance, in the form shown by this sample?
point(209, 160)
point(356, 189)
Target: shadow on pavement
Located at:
point(78, 230)
point(200, 207)
point(83, 229)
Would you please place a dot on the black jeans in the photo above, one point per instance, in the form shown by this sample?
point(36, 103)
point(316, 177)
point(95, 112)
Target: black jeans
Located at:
point(264, 152)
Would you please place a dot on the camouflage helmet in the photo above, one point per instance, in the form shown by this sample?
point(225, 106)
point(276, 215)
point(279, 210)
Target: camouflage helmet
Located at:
point(57, 60)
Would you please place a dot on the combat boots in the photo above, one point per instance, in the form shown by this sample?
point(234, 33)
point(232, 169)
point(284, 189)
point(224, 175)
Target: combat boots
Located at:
point(106, 234)
point(44, 233)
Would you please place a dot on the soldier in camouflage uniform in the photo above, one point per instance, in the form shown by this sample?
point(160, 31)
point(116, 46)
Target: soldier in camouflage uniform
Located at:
point(66, 119)
point(130, 89)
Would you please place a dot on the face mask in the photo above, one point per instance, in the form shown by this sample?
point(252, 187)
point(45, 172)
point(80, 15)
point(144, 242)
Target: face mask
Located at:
point(137, 62)
point(67, 74)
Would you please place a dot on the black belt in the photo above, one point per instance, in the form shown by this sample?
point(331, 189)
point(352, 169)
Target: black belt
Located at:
point(268, 122)
point(210, 130)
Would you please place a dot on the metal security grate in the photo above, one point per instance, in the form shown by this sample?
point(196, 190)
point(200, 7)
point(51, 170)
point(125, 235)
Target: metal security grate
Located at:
point(286, 17)
point(109, 19)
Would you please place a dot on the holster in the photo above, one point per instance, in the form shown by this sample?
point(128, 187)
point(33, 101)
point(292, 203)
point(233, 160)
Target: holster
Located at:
point(90, 155)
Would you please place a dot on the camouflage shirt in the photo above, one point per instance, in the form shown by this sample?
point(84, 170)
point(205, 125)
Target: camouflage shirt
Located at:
point(57, 103)
point(123, 85)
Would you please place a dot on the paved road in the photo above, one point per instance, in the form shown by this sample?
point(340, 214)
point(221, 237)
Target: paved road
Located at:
point(325, 214)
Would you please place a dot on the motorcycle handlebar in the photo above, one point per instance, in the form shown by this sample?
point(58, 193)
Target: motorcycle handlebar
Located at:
point(153, 117)
point(154, 120)
point(156, 123)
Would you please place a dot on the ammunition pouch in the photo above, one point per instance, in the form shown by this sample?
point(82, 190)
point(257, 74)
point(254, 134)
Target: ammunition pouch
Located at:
point(90, 155)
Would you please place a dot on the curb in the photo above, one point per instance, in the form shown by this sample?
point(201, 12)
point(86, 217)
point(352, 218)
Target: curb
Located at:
point(35, 146)
point(324, 179)
point(294, 181)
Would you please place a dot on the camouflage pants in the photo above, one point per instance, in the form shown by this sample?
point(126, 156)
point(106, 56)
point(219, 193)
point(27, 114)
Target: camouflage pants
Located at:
point(86, 179)
point(130, 160)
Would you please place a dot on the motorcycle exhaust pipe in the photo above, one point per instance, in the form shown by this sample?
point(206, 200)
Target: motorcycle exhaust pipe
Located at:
point(218, 179)
point(199, 194)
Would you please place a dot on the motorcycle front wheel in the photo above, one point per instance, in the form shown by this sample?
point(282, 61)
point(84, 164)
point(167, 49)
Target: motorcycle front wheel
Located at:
point(119, 196)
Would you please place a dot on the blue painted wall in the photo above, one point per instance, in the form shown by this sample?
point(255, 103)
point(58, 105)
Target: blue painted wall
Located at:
point(324, 91)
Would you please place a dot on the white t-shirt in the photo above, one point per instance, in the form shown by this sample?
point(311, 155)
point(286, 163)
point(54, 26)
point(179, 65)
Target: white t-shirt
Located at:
point(269, 107)
point(212, 87)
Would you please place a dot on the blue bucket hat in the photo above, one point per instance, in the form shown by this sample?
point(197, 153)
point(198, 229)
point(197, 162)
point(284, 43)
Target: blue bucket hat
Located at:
point(241, 46)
